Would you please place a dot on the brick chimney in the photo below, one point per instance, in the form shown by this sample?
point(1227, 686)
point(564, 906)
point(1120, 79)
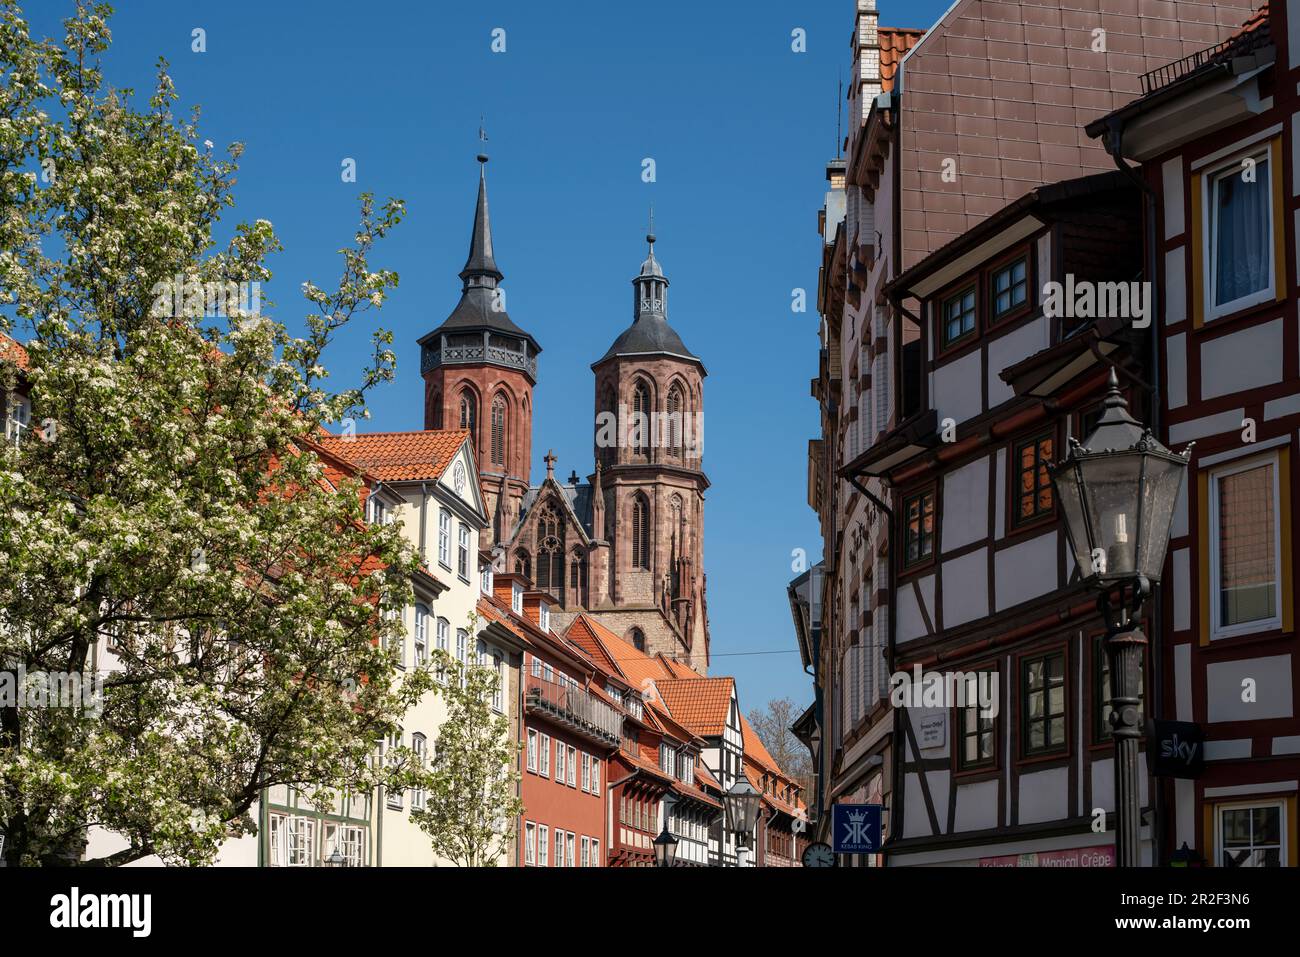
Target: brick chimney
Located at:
point(866, 67)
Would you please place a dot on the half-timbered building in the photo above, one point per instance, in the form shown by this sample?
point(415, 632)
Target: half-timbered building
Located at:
point(947, 127)
point(1214, 137)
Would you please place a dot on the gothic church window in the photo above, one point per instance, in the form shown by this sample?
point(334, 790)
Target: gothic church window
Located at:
point(550, 552)
point(640, 532)
point(676, 415)
point(642, 419)
point(469, 412)
point(499, 430)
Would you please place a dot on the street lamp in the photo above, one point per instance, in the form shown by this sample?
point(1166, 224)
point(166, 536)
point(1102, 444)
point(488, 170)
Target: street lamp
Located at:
point(1118, 490)
point(336, 859)
point(665, 848)
point(740, 806)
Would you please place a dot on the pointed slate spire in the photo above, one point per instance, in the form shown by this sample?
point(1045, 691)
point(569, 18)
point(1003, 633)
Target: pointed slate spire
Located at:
point(481, 268)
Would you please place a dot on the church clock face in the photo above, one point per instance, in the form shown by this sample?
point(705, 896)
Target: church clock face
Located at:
point(458, 478)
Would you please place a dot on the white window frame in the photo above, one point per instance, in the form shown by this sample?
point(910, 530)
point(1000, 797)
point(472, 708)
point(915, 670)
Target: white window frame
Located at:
point(559, 848)
point(420, 746)
point(485, 584)
point(1211, 178)
point(444, 538)
point(561, 763)
point(421, 635)
point(544, 615)
point(498, 690)
point(595, 852)
point(532, 750)
point(586, 771)
point(530, 844)
point(595, 775)
point(462, 552)
point(517, 598)
point(1283, 829)
point(543, 845)
point(544, 769)
point(1262, 624)
point(572, 767)
point(586, 851)
point(570, 847)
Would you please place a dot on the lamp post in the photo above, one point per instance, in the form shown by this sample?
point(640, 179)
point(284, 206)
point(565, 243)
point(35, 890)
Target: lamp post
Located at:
point(740, 806)
point(1117, 491)
point(665, 847)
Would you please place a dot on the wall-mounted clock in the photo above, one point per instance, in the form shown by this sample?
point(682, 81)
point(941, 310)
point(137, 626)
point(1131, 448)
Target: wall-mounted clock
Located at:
point(818, 855)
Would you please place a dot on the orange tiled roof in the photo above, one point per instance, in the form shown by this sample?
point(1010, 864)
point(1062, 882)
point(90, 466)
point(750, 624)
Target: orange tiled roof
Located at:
point(636, 667)
point(755, 778)
point(699, 704)
point(399, 456)
point(894, 44)
point(12, 351)
point(755, 749)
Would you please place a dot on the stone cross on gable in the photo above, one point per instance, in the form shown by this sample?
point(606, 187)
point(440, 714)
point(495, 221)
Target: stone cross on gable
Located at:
point(550, 461)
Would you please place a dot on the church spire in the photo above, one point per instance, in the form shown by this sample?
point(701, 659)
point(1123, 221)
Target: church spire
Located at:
point(651, 285)
point(481, 267)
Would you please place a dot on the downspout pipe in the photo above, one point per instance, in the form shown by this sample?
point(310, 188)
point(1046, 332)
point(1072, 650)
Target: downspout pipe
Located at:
point(1113, 140)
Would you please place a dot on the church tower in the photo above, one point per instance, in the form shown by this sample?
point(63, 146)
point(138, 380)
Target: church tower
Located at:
point(649, 483)
point(479, 371)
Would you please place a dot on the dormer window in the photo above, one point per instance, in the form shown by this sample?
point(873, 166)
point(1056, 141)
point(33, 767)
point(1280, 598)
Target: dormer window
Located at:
point(517, 598)
point(380, 513)
point(1010, 286)
point(486, 583)
point(544, 616)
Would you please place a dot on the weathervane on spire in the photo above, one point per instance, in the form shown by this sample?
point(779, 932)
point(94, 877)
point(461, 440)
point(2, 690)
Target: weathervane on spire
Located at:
point(482, 136)
point(650, 234)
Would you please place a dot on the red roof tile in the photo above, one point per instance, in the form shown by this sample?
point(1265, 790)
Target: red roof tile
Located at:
point(894, 44)
point(399, 456)
point(700, 704)
point(12, 351)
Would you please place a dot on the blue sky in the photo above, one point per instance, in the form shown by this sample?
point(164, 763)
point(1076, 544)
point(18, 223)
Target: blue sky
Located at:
point(740, 128)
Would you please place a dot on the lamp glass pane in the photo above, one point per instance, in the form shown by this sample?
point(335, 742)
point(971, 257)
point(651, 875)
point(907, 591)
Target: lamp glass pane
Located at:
point(1111, 487)
point(1067, 493)
point(1159, 496)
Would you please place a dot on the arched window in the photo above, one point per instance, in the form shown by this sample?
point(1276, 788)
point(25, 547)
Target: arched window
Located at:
point(469, 412)
point(523, 566)
point(499, 430)
point(676, 420)
point(550, 552)
point(433, 412)
point(637, 637)
point(577, 577)
point(642, 419)
point(607, 424)
point(640, 531)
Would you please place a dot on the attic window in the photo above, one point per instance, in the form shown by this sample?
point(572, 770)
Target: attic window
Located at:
point(517, 598)
point(544, 616)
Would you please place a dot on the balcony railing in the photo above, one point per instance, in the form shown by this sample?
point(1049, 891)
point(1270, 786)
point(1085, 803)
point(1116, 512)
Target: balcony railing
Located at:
point(576, 709)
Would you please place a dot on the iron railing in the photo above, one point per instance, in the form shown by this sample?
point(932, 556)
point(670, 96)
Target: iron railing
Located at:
point(575, 708)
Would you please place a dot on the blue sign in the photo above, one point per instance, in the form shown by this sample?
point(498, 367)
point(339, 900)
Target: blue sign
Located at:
point(856, 828)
